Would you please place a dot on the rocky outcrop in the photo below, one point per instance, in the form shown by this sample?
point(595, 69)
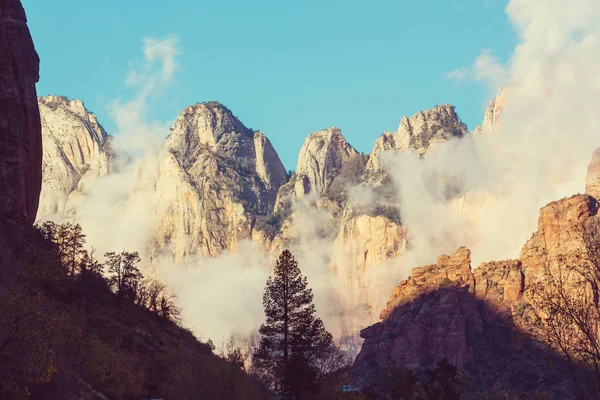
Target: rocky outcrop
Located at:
point(561, 236)
point(20, 129)
point(76, 151)
point(430, 316)
point(420, 133)
point(215, 178)
point(500, 283)
point(453, 269)
point(592, 180)
point(447, 311)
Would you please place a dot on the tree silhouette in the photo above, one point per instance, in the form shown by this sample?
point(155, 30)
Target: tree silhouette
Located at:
point(292, 337)
point(124, 275)
point(70, 240)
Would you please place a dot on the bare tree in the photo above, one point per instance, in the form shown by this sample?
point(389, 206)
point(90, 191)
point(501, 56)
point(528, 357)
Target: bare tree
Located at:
point(235, 351)
point(155, 289)
point(566, 308)
point(168, 309)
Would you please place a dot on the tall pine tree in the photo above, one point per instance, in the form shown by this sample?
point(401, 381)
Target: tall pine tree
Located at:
point(291, 334)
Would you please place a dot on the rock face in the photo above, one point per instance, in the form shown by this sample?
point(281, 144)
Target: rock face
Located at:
point(20, 129)
point(76, 151)
point(455, 268)
point(212, 126)
point(421, 133)
point(560, 236)
point(364, 243)
point(321, 158)
point(447, 311)
point(320, 161)
point(592, 181)
point(430, 316)
point(500, 283)
point(215, 178)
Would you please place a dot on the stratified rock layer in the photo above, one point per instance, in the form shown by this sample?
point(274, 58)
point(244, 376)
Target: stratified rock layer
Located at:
point(20, 129)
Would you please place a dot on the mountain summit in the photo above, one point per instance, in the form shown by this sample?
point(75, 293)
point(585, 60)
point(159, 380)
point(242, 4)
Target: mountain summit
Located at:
point(421, 133)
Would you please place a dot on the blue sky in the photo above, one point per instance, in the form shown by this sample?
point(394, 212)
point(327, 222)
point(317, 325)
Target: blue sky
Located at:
point(284, 67)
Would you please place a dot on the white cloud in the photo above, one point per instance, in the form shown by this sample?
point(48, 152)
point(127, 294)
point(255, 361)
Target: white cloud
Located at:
point(458, 74)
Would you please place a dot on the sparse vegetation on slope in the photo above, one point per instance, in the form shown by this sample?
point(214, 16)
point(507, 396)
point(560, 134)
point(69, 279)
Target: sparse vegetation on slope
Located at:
point(64, 334)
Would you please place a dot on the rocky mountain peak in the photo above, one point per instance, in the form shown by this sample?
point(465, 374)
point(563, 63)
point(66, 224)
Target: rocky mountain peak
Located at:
point(76, 150)
point(321, 158)
point(212, 127)
point(75, 106)
point(421, 133)
point(59, 112)
point(592, 181)
point(426, 128)
point(210, 124)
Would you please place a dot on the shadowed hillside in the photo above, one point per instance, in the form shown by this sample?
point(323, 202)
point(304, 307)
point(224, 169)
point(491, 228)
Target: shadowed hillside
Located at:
point(69, 336)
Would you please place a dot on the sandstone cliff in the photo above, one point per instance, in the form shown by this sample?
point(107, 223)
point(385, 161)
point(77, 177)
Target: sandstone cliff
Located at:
point(446, 310)
point(561, 236)
point(20, 129)
point(421, 133)
point(76, 151)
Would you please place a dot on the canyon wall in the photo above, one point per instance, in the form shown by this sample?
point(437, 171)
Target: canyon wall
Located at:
point(20, 129)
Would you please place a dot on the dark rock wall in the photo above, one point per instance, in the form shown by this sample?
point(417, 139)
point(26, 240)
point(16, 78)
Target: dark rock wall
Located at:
point(20, 127)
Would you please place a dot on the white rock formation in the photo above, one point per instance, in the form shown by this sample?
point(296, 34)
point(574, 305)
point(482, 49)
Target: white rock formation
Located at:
point(216, 176)
point(321, 158)
point(364, 242)
point(212, 126)
point(421, 133)
point(76, 149)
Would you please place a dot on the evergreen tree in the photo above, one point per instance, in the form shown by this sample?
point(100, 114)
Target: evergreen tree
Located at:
point(291, 333)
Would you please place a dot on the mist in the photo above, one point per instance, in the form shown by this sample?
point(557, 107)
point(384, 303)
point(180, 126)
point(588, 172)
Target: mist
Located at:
point(482, 191)
point(538, 152)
